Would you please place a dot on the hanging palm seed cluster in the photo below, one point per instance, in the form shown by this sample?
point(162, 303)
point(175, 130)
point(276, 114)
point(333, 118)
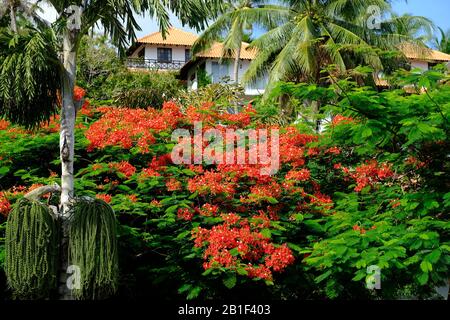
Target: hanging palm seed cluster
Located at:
point(93, 248)
point(32, 240)
point(31, 250)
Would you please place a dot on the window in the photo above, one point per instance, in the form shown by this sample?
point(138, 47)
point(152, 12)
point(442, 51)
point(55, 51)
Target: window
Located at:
point(164, 55)
point(220, 73)
point(187, 55)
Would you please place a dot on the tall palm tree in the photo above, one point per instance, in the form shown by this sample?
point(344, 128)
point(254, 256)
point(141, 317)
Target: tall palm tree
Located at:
point(413, 27)
point(233, 26)
point(35, 54)
point(443, 44)
point(317, 33)
point(24, 7)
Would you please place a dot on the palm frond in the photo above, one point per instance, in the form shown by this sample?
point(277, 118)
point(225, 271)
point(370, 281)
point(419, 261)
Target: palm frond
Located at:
point(30, 76)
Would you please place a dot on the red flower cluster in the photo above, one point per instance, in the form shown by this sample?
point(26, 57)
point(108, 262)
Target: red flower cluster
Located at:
point(370, 173)
point(292, 146)
point(414, 162)
point(259, 255)
point(212, 183)
point(105, 197)
point(173, 185)
point(185, 214)
point(209, 210)
point(126, 127)
point(300, 175)
point(123, 167)
point(261, 192)
point(78, 93)
point(362, 230)
point(5, 206)
point(4, 124)
point(340, 119)
point(321, 199)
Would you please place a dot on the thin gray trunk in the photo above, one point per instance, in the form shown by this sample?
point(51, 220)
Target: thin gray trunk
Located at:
point(237, 61)
point(315, 106)
point(12, 15)
point(67, 143)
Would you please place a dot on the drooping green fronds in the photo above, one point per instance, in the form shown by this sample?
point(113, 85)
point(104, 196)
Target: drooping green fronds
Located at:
point(93, 248)
point(31, 250)
point(29, 76)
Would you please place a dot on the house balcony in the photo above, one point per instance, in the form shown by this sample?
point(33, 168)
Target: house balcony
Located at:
point(154, 64)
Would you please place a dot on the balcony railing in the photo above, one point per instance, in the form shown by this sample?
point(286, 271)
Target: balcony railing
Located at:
point(154, 64)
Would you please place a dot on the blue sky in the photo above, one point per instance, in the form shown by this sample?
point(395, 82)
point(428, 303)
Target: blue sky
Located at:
point(436, 10)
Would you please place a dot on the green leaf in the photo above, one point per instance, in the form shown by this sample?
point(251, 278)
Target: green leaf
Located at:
point(272, 200)
point(323, 276)
point(185, 287)
point(295, 247)
point(423, 278)
point(360, 275)
point(434, 256)
point(367, 132)
point(194, 293)
point(183, 235)
point(3, 171)
point(207, 272)
point(241, 271)
point(426, 266)
point(172, 209)
point(266, 233)
point(230, 281)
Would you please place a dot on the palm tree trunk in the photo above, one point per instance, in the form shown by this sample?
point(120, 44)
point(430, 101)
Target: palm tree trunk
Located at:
point(237, 61)
point(12, 15)
point(67, 143)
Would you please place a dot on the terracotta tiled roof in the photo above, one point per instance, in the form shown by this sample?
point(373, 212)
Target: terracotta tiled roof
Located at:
point(216, 51)
point(415, 52)
point(174, 37)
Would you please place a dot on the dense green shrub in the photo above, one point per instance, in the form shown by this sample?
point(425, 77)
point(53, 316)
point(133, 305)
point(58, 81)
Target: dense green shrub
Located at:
point(97, 60)
point(141, 89)
point(370, 190)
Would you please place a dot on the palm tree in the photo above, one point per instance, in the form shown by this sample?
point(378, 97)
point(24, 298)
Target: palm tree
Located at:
point(315, 34)
point(52, 53)
point(413, 27)
point(27, 8)
point(235, 24)
point(443, 44)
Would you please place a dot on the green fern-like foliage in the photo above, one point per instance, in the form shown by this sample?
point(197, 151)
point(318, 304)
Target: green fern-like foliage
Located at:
point(93, 248)
point(29, 76)
point(31, 250)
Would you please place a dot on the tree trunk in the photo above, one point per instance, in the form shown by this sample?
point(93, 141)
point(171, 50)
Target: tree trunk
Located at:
point(67, 143)
point(12, 15)
point(315, 106)
point(237, 61)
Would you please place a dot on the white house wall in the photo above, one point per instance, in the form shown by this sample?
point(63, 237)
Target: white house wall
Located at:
point(251, 89)
point(178, 52)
